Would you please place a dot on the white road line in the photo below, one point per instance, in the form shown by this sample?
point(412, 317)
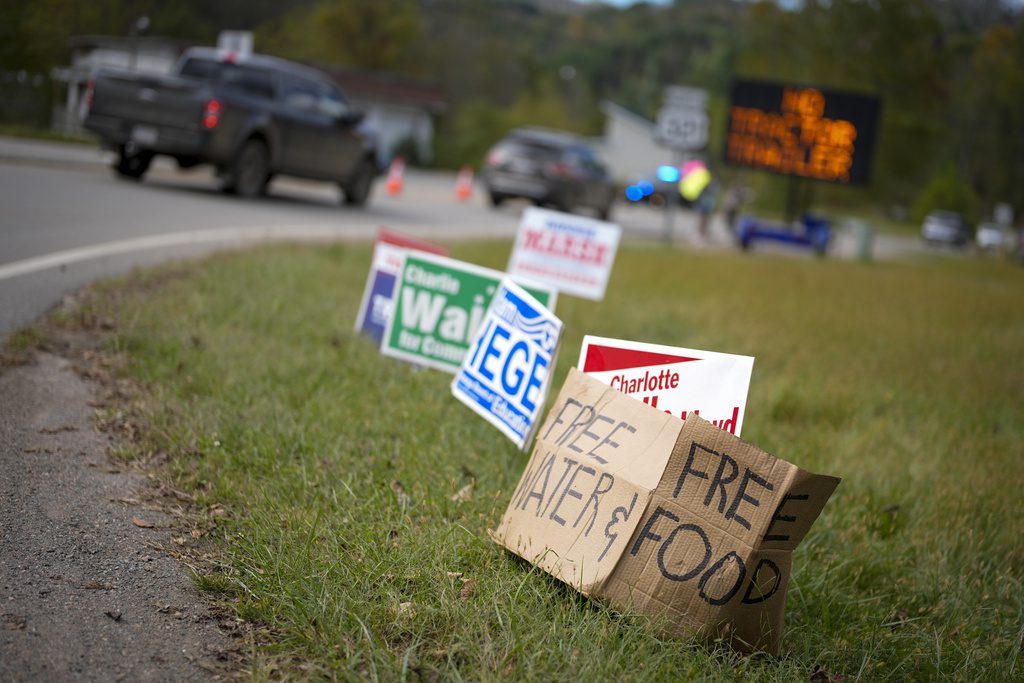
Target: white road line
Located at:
point(248, 234)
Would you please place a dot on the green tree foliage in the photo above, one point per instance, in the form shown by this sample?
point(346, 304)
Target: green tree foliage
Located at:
point(371, 34)
point(947, 190)
point(990, 117)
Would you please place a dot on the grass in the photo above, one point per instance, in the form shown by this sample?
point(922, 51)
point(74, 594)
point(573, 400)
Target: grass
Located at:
point(36, 133)
point(903, 379)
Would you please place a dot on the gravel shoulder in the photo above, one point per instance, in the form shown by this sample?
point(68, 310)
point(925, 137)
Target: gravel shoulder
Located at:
point(87, 594)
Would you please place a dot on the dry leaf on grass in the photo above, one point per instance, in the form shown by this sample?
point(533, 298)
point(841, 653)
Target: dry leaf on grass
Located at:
point(468, 586)
point(403, 498)
point(465, 493)
point(819, 675)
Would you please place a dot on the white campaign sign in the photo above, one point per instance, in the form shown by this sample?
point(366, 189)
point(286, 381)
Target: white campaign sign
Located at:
point(571, 253)
point(676, 380)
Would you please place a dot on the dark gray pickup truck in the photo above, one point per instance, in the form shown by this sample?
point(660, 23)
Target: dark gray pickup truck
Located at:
point(251, 117)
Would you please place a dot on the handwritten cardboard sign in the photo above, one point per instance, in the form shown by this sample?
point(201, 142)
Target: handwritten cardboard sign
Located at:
point(439, 304)
point(573, 254)
point(505, 376)
point(678, 520)
point(674, 379)
point(376, 306)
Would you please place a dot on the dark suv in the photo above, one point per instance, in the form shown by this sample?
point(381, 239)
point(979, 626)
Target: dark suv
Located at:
point(549, 168)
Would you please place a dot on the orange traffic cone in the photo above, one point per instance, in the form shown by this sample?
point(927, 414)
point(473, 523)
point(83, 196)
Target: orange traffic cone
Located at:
point(396, 174)
point(464, 184)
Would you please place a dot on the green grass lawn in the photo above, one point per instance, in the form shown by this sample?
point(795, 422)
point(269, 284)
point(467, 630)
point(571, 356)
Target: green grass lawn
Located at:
point(905, 380)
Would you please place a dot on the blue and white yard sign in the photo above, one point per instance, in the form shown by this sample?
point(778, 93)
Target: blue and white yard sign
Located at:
point(506, 374)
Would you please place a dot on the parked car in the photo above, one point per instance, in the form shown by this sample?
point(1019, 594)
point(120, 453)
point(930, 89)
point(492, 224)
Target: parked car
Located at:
point(945, 227)
point(252, 117)
point(992, 237)
point(549, 168)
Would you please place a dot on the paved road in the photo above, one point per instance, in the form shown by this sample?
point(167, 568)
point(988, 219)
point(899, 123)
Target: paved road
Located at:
point(67, 221)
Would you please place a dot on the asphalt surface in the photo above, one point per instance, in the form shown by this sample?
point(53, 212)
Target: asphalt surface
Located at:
point(67, 221)
point(85, 596)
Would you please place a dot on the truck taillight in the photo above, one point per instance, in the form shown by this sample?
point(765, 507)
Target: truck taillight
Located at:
point(211, 114)
point(90, 93)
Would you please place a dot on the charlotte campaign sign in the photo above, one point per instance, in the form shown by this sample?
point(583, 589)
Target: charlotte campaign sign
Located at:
point(438, 307)
point(678, 520)
point(571, 253)
point(505, 375)
point(388, 251)
point(673, 379)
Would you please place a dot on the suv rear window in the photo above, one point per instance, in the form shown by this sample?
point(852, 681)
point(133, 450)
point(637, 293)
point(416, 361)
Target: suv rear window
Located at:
point(528, 148)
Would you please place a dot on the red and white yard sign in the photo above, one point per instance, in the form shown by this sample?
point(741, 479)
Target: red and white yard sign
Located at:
point(573, 254)
point(676, 380)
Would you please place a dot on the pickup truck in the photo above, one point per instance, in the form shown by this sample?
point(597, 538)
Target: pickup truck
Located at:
point(252, 117)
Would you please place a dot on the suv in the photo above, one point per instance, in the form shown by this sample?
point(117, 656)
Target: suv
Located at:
point(945, 227)
point(549, 168)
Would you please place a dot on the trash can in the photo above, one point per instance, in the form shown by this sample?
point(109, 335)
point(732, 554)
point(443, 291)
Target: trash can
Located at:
point(864, 236)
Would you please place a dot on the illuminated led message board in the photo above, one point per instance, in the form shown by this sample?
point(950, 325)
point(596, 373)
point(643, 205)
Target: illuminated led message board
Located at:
point(802, 131)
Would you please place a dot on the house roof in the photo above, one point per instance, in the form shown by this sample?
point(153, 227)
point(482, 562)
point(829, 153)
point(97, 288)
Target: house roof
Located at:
point(128, 43)
point(386, 87)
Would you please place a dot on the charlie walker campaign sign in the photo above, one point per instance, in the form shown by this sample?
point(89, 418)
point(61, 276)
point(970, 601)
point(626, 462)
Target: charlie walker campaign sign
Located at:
point(506, 374)
point(678, 520)
point(676, 380)
point(571, 253)
point(439, 304)
point(375, 308)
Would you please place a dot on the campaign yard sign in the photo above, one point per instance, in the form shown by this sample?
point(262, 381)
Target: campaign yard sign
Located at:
point(375, 308)
point(439, 304)
point(679, 520)
point(676, 380)
point(505, 376)
point(573, 254)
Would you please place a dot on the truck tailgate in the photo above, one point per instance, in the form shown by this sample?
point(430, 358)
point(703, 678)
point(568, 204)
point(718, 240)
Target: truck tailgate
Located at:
point(149, 100)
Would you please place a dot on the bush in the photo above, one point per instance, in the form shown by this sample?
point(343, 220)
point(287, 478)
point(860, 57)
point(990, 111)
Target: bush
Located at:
point(947, 190)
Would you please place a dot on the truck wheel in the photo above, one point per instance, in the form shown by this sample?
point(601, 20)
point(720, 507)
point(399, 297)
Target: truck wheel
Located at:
point(357, 190)
point(250, 169)
point(132, 166)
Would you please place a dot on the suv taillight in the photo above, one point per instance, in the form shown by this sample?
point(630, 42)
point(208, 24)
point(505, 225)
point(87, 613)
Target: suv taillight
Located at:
point(211, 114)
point(495, 157)
point(558, 169)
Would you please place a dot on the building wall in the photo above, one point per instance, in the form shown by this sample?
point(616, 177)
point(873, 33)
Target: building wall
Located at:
point(629, 147)
point(394, 124)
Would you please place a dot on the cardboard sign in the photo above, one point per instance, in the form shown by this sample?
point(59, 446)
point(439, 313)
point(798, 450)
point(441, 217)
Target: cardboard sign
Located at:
point(439, 304)
point(674, 379)
point(678, 520)
point(376, 306)
point(505, 376)
point(571, 253)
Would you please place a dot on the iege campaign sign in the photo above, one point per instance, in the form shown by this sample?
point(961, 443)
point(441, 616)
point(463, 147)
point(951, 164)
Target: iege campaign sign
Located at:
point(505, 375)
point(388, 253)
point(676, 380)
point(571, 253)
point(439, 305)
